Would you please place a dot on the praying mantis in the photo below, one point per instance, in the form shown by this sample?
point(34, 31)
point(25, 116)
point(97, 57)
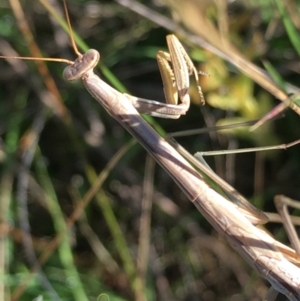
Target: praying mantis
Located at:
point(256, 246)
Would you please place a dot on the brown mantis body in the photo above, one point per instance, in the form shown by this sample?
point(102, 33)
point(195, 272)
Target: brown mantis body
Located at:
point(256, 246)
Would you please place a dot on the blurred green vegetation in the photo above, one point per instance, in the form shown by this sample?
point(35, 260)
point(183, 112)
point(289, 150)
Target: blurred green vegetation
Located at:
point(55, 145)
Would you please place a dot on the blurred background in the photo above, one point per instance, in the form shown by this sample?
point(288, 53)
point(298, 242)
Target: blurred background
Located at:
point(138, 237)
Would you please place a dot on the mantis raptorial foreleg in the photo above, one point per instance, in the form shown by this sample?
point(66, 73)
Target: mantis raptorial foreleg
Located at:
point(175, 69)
point(183, 67)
